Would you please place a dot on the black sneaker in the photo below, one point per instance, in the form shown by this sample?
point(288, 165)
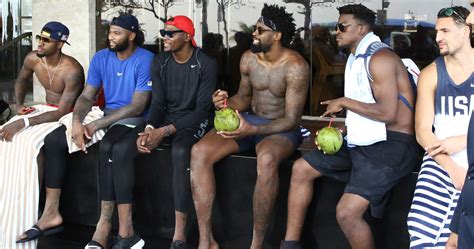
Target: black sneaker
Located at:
point(134, 242)
point(178, 244)
point(290, 244)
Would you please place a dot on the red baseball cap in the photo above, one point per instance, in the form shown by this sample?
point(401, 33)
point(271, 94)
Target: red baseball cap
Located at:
point(185, 24)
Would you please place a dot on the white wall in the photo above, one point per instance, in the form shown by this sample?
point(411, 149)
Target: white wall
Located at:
point(79, 16)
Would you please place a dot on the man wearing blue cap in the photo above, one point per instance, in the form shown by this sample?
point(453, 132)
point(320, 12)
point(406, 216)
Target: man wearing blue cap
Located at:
point(123, 72)
point(62, 78)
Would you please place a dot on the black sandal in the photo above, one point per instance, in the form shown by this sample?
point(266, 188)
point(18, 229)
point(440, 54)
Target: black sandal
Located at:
point(35, 232)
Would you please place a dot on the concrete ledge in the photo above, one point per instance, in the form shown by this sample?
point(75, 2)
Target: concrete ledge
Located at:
point(235, 179)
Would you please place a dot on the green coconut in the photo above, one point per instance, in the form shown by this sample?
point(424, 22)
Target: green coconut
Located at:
point(226, 119)
point(329, 140)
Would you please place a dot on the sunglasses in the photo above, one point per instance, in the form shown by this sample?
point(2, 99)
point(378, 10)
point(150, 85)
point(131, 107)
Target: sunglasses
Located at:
point(343, 26)
point(43, 39)
point(448, 12)
point(169, 33)
point(260, 30)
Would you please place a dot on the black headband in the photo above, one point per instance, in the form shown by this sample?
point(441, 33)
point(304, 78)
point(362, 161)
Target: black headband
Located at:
point(268, 22)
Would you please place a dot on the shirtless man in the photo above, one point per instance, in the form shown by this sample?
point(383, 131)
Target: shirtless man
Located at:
point(380, 144)
point(63, 79)
point(61, 76)
point(270, 100)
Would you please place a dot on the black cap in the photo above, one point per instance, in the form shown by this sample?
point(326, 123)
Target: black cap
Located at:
point(127, 22)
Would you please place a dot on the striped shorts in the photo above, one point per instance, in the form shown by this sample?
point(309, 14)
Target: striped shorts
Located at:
point(432, 208)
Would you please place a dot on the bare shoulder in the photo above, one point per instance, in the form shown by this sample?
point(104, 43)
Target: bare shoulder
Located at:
point(384, 57)
point(248, 57)
point(31, 59)
point(295, 62)
point(73, 73)
point(428, 75)
point(73, 65)
point(247, 61)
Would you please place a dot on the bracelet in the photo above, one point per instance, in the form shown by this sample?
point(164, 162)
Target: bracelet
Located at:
point(167, 131)
point(149, 126)
point(27, 122)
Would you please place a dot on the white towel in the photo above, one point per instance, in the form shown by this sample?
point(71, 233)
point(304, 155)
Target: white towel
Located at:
point(19, 190)
point(94, 114)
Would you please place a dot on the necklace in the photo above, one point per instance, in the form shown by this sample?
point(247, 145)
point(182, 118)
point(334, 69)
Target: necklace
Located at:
point(55, 69)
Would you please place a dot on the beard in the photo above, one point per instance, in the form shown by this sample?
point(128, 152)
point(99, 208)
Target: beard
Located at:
point(258, 48)
point(40, 55)
point(120, 47)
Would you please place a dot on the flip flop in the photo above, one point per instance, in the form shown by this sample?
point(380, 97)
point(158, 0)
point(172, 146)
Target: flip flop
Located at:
point(35, 232)
point(93, 245)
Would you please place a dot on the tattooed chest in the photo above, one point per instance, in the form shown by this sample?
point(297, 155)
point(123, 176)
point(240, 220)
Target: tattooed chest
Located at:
point(272, 80)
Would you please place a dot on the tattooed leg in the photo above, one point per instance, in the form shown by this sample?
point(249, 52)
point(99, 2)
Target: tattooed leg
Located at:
point(270, 152)
point(104, 225)
point(263, 197)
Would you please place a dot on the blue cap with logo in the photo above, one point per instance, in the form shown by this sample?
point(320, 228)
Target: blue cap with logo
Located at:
point(56, 31)
point(127, 22)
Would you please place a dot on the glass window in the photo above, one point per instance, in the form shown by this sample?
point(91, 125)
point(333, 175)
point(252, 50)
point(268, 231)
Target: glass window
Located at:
point(224, 30)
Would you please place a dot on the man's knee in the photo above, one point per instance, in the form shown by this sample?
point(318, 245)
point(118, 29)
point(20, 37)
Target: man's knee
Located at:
point(200, 156)
point(58, 136)
point(302, 171)
point(108, 141)
point(180, 151)
point(348, 212)
point(123, 149)
point(267, 165)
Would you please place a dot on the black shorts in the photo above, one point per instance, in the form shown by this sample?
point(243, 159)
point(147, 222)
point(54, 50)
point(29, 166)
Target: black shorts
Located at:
point(370, 171)
point(248, 143)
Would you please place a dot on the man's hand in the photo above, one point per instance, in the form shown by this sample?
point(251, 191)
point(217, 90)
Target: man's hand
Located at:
point(89, 130)
point(457, 175)
point(452, 242)
point(9, 130)
point(245, 129)
point(219, 98)
point(22, 110)
point(150, 139)
point(449, 146)
point(78, 135)
point(334, 106)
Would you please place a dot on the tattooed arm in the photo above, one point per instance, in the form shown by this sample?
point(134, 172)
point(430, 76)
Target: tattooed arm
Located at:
point(84, 103)
point(140, 100)
point(21, 84)
point(241, 100)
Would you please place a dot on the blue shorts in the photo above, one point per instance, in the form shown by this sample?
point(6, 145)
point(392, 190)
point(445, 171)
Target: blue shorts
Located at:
point(249, 143)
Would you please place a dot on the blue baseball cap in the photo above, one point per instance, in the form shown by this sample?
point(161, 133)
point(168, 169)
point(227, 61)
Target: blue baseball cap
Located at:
point(56, 31)
point(127, 22)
